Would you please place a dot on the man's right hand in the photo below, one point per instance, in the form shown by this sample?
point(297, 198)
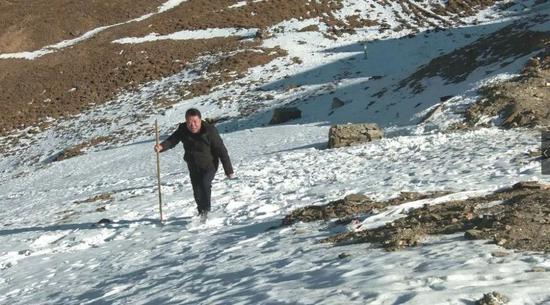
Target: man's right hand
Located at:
point(158, 148)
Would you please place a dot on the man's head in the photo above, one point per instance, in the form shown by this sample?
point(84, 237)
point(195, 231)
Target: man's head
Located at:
point(193, 120)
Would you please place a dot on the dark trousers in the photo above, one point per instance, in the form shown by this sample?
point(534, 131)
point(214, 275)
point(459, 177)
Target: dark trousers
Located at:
point(201, 180)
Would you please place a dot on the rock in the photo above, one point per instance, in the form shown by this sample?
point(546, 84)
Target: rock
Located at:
point(261, 34)
point(437, 110)
point(500, 241)
point(337, 103)
point(25, 252)
point(538, 269)
point(285, 114)
point(350, 134)
point(343, 255)
point(473, 234)
point(103, 222)
point(356, 198)
point(290, 86)
point(532, 185)
point(499, 254)
point(445, 98)
point(493, 298)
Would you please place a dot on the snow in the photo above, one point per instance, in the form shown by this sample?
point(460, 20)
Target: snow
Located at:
point(186, 35)
point(234, 251)
point(242, 3)
point(53, 252)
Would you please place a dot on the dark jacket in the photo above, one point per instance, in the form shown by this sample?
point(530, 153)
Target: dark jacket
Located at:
point(203, 150)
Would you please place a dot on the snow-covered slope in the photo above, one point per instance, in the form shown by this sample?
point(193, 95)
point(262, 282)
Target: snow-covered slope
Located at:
point(52, 251)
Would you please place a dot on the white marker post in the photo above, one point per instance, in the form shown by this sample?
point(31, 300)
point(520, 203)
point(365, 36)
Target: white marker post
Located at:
point(158, 170)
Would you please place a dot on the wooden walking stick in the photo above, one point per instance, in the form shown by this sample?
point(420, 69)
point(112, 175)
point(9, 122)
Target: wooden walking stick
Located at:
point(158, 170)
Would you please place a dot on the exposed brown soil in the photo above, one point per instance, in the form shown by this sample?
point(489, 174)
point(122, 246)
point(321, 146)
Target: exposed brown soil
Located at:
point(521, 221)
point(216, 14)
point(508, 43)
point(462, 8)
point(100, 197)
point(521, 102)
point(310, 28)
point(351, 206)
point(94, 71)
point(229, 68)
point(78, 150)
point(31, 25)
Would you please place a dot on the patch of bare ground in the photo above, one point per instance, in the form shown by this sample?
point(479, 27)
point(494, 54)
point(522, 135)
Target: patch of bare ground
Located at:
point(229, 68)
point(310, 28)
point(100, 197)
point(520, 102)
point(79, 149)
point(514, 218)
point(31, 25)
point(350, 207)
point(462, 8)
point(194, 15)
point(413, 15)
point(503, 46)
point(76, 79)
point(89, 74)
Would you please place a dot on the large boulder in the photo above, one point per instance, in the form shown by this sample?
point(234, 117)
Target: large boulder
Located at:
point(350, 134)
point(285, 114)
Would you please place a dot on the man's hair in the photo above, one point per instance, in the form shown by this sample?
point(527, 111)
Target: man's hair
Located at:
point(193, 112)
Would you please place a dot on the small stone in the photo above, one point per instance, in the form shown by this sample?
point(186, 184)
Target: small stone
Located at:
point(501, 241)
point(343, 255)
point(445, 98)
point(473, 234)
point(356, 198)
point(337, 103)
point(537, 269)
point(104, 221)
point(499, 254)
point(25, 252)
point(533, 185)
point(493, 298)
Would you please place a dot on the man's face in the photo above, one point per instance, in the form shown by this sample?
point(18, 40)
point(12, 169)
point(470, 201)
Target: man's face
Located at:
point(193, 123)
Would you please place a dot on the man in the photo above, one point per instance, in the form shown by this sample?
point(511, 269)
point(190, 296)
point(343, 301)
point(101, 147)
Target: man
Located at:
point(204, 149)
